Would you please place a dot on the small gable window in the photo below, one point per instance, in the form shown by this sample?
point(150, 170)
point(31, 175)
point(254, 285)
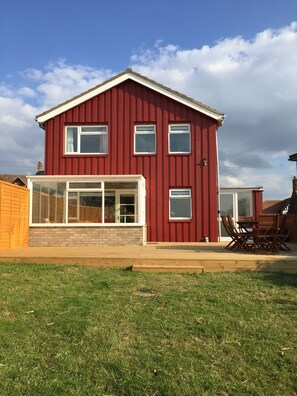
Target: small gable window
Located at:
point(179, 139)
point(145, 139)
point(89, 139)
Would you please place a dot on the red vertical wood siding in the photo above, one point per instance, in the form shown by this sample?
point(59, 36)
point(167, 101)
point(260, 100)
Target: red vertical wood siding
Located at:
point(121, 108)
point(257, 203)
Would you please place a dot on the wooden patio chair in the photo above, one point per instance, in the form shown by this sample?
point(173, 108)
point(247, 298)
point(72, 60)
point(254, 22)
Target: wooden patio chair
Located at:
point(227, 228)
point(265, 234)
point(243, 236)
point(286, 226)
point(239, 239)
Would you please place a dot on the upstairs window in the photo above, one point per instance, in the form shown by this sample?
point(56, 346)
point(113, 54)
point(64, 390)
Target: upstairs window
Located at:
point(180, 204)
point(179, 139)
point(86, 139)
point(145, 139)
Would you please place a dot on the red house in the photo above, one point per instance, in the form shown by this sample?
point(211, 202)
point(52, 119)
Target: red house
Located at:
point(126, 162)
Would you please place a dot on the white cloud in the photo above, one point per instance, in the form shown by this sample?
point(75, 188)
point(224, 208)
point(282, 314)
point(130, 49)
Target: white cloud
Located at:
point(5, 91)
point(27, 92)
point(60, 82)
point(230, 181)
point(20, 144)
point(254, 82)
point(22, 141)
point(15, 113)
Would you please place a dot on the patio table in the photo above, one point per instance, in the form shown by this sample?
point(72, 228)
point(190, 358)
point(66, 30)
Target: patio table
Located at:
point(247, 225)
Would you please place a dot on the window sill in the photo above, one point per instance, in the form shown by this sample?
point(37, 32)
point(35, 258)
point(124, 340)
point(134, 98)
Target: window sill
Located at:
point(144, 154)
point(75, 155)
point(93, 225)
point(180, 220)
point(179, 153)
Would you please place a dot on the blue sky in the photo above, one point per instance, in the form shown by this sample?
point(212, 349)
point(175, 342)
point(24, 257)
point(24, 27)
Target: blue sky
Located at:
point(105, 34)
point(237, 56)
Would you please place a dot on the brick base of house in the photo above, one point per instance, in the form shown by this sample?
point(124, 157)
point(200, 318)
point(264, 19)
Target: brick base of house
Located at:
point(86, 236)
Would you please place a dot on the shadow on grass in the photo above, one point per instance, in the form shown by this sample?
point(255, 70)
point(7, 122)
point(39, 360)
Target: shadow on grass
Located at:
point(280, 278)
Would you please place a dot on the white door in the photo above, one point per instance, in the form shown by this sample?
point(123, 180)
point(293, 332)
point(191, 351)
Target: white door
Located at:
point(126, 210)
point(238, 204)
point(120, 207)
point(227, 207)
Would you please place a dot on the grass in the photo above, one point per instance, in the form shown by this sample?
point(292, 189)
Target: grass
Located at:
point(81, 331)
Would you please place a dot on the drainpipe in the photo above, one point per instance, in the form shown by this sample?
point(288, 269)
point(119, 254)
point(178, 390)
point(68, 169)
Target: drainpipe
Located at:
point(218, 184)
point(218, 174)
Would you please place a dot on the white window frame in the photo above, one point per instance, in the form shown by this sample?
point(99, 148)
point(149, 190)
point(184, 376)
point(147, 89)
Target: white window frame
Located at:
point(140, 197)
point(118, 205)
point(188, 194)
point(144, 132)
point(235, 201)
point(78, 190)
point(81, 133)
point(170, 132)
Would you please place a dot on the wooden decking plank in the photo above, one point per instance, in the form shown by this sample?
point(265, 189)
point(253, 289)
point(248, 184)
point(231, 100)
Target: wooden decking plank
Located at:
point(173, 257)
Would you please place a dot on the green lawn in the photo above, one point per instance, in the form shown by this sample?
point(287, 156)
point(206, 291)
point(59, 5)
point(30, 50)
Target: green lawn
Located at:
point(83, 331)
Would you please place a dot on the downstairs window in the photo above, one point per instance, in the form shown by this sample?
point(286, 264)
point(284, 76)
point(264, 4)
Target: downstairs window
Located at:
point(180, 204)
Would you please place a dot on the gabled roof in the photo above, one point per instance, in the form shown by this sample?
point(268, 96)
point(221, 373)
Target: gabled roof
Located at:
point(21, 180)
point(118, 79)
point(276, 206)
point(293, 157)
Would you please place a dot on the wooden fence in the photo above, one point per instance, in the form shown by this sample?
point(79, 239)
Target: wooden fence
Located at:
point(14, 215)
point(292, 223)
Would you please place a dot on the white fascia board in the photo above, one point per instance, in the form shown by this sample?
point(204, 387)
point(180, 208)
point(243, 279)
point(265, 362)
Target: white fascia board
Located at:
point(61, 178)
point(177, 98)
point(104, 87)
point(83, 98)
point(241, 189)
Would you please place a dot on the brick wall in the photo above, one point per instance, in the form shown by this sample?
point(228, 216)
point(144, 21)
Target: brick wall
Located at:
point(86, 236)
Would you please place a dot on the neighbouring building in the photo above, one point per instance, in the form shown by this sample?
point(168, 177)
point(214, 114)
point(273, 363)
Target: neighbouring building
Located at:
point(20, 180)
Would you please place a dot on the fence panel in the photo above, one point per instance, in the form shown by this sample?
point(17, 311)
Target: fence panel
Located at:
point(292, 222)
point(14, 215)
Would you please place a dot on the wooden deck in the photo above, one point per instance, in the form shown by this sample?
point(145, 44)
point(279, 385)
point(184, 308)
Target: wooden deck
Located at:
point(157, 257)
